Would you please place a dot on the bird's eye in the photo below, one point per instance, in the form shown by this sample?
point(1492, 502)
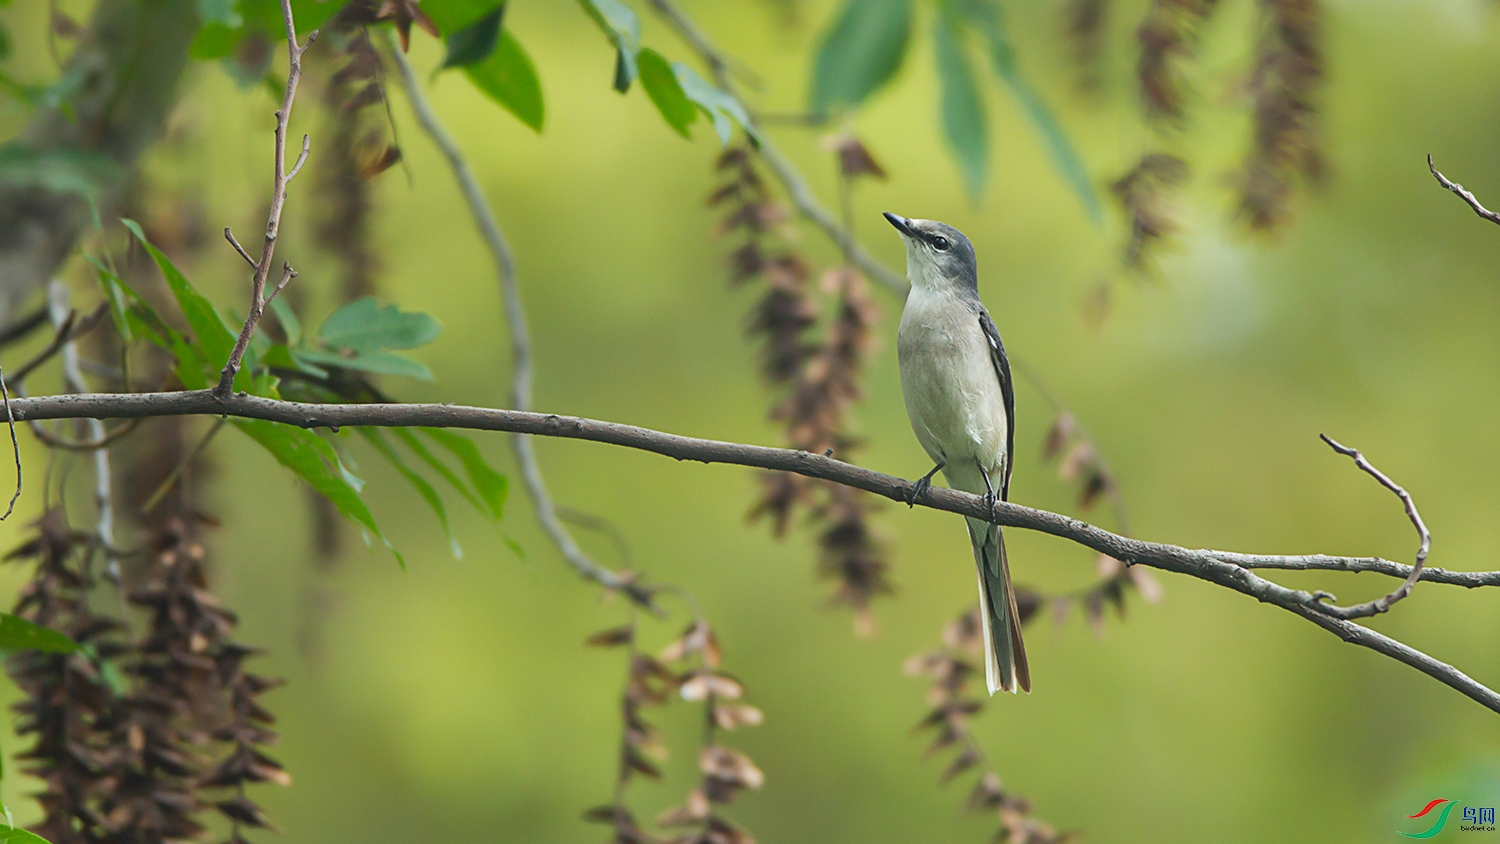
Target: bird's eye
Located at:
point(940, 243)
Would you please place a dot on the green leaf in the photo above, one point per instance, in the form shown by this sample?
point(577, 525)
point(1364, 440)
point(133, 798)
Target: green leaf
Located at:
point(141, 320)
point(962, 110)
point(311, 458)
point(13, 835)
point(215, 41)
point(365, 326)
point(379, 363)
point(475, 42)
point(426, 456)
point(282, 357)
point(288, 319)
point(221, 12)
point(423, 488)
point(623, 28)
point(509, 78)
point(986, 16)
point(453, 15)
point(719, 106)
point(491, 485)
point(18, 634)
point(666, 92)
point(215, 339)
point(861, 52)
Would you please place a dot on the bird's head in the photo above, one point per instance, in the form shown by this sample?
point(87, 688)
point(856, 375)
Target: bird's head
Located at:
point(938, 256)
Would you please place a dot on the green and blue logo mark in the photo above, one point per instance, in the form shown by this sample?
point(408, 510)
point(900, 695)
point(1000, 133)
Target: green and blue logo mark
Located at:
point(1476, 819)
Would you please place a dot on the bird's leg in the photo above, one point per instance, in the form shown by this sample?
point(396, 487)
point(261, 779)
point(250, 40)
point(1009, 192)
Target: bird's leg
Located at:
point(922, 485)
point(989, 492)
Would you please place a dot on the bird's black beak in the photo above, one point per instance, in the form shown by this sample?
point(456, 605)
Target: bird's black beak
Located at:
point(900, 223)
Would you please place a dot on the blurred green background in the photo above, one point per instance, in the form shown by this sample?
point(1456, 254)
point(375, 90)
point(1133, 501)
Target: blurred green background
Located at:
point(455, 701)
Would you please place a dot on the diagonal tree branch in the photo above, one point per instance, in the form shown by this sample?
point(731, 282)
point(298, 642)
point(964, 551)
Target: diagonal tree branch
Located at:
point(1462, 193)
point(1212, 566)
point(520, 336)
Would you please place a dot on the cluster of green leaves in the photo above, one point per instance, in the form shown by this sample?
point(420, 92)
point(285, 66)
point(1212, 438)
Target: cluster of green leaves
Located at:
point(489, 54)
point(360, 337)
point(867, 44)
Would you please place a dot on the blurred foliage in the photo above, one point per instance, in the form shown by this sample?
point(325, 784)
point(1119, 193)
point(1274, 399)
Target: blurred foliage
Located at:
point(456, 696)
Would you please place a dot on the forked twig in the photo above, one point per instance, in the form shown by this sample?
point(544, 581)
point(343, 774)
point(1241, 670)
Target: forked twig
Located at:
point(262, 267)
point(1384, 603)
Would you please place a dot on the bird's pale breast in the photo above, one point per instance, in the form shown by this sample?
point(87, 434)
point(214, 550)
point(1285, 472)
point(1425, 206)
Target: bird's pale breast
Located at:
point(948, 379)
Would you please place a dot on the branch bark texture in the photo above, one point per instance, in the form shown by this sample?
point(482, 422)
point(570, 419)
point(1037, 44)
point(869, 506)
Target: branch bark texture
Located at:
point(1232, 571)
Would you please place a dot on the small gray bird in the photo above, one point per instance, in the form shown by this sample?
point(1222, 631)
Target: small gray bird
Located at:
point(959, 397)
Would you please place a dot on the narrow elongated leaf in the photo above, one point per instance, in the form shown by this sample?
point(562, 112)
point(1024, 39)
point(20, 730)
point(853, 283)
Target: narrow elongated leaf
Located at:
point(861, 52)
point(623, 29)
point(379, 363)
point(987, 18)
point(509, 78)
point(212, 334)
point(18, 634)
point(475, 42)
point(288, 319)
point(314, 460)
point(723, 109)
point(665, 91)
point(419, 483)
point(491, 485)
point(12, 835)
point(141, 320)
point(426, 456)
point(962, 110)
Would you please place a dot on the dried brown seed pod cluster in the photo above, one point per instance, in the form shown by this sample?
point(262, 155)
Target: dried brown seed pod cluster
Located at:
point(1169, 36)
point(1080, 463)
point(357, 149)
point(1144, 194)
point(950, 669)
point(140, 739)
point(688, 669)
point(1285, 144)
point(815, 365)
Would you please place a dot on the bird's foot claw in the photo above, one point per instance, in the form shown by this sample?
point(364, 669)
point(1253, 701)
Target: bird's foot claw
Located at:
point(918, 489)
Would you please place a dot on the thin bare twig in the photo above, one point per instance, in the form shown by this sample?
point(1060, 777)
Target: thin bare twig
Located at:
point(1212, 566)
point(52, 440)
point(278, 200)
point(520, 338)
point(229, 236)
point(22, 328)
point(301, 156)
point(1384, 603)
point(15, 446)
point(70, 329)
point(187, 460)
point(1462, 193)
point(287, 274)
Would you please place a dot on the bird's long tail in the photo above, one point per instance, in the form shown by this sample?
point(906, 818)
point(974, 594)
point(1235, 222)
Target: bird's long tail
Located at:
point(1004, 652)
